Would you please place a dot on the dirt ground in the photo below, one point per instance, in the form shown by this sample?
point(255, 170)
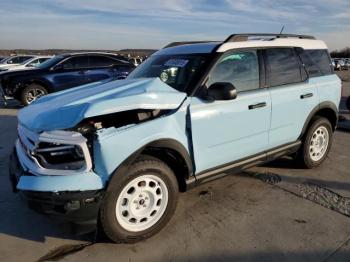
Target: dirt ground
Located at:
point(276, 212)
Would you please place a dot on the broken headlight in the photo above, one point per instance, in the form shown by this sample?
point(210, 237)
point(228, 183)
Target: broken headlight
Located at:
point(59, 156)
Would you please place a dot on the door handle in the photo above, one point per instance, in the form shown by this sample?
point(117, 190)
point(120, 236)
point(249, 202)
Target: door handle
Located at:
point(306, 95)
point(258, 105)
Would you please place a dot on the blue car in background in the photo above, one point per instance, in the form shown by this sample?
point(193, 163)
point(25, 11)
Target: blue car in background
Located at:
point(63, 72)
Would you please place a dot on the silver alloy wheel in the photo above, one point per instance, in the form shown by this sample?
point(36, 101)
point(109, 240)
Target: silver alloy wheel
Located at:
point(142, 203)
point(319, 143)
point(33, 94)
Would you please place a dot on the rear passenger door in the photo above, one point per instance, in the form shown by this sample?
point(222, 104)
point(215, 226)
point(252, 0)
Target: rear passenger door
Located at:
point(104, 67)
point(293, 96)
point(100, 68)
point(227, 131)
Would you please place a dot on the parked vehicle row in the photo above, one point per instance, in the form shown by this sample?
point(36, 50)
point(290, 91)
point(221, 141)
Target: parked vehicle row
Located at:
point(14, 60)
point(62, 72)
point(119, 152)
point(341, 63)
point(26, 64)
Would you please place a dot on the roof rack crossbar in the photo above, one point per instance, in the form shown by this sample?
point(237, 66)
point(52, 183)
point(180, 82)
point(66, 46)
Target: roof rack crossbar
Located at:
point(244, 37)
point(186, 43)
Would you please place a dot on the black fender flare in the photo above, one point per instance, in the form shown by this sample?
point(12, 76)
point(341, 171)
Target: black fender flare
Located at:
point(167, 143)
point(323, 105)
point(176, 146)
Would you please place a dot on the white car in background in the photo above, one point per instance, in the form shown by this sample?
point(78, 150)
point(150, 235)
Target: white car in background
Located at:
point(15, 60)
point(136, 61)
point(27, 64)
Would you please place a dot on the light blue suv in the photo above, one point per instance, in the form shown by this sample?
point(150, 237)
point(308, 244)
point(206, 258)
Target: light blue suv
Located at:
point(120, 152)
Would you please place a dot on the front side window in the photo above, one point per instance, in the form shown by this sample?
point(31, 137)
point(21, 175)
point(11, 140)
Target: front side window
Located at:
point(176, 71)
point(33, 63)
point(76, 62)
point(283, 67)
point(42, 60)
point(51, 62)
point(240, 68)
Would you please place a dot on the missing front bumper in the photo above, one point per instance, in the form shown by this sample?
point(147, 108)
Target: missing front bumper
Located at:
point(39, 192)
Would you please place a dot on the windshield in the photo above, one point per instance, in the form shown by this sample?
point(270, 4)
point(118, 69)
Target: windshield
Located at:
point(51, 62)
point(176, 71)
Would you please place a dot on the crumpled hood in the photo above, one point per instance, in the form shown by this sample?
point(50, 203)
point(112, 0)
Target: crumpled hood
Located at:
point(67, 108)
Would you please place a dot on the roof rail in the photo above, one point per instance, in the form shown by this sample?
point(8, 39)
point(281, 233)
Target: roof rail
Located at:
point(186, 43)
point(244, 37)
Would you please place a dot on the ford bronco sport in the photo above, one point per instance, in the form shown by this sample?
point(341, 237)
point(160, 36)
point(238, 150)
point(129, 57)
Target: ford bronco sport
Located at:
point(120, 152)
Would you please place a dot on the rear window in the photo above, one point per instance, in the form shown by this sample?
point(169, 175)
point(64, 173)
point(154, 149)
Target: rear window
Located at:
point(283, 67)
point(317, 62)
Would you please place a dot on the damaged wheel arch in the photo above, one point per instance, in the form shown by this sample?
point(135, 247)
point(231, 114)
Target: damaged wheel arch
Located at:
point(170, 151)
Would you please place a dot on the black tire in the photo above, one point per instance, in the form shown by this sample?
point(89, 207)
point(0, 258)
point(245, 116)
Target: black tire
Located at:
point(28, 91)
point(108, 219)
point(304, 156)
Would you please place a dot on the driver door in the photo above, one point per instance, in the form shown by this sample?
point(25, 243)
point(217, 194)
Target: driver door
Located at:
point(230, 130)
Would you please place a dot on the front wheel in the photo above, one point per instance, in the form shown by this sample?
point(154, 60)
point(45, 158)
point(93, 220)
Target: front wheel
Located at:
point(317, 143)
point(139, 203)
point(32, 92)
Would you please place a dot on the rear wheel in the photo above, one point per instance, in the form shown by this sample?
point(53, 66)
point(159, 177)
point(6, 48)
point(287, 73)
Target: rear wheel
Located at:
point(31, 93)
point(317, 143)
point(139, 203)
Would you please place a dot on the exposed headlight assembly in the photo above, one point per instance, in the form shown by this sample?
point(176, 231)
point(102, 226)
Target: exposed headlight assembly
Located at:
point(54, 152)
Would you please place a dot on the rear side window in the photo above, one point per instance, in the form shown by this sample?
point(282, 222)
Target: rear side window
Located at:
point(76, 62)
point(101, 61)
point(317, 62)
point(283, 67)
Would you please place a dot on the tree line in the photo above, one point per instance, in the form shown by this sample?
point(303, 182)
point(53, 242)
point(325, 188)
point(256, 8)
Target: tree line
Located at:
point(343, 53)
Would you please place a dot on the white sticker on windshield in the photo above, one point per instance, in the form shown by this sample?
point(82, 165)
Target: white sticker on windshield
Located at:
point(176, 62)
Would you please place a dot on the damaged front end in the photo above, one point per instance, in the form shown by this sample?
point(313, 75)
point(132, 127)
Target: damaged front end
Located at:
point(69, 144)
point(53, 152)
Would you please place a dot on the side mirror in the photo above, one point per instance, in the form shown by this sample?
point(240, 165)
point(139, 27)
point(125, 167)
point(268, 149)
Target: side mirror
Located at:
point(57, 67)
point(222, 91)
point(120, 77)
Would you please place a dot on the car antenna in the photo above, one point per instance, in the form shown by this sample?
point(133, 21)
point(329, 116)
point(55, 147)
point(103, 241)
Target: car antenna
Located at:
point(282, 30)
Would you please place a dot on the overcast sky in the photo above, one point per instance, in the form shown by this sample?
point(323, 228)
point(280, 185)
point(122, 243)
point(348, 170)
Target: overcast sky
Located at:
point(117, 24)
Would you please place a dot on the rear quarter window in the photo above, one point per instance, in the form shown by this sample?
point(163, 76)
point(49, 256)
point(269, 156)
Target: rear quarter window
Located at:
point(317, 62)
